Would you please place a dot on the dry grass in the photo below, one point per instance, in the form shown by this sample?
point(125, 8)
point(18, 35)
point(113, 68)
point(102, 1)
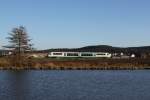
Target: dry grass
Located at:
point(46, 63)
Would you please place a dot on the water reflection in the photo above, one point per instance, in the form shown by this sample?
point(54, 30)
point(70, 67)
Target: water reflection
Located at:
point(18, 85)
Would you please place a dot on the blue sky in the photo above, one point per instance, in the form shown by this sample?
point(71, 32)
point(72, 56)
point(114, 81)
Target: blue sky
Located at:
point(77, 23)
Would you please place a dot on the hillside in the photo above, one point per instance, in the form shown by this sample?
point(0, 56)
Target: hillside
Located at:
point(103, 48)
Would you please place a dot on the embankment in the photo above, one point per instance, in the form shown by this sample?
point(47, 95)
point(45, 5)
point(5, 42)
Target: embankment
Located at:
point(79, 64)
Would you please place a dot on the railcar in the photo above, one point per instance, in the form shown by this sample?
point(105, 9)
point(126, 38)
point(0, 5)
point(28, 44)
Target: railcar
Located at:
point(79, 54)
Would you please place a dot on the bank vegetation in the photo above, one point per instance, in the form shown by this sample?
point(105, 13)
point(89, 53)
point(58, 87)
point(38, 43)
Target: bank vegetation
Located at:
point(76, 64)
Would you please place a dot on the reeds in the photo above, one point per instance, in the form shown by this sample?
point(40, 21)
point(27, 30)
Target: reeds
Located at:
point(97, 64)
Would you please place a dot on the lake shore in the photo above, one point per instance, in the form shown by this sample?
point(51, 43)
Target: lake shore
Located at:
point(78, 64)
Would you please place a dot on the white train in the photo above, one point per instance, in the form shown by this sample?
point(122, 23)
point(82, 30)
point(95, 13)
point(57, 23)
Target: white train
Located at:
point(80, 54)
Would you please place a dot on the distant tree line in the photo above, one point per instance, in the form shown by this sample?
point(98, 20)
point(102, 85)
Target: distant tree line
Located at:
point(140, 52)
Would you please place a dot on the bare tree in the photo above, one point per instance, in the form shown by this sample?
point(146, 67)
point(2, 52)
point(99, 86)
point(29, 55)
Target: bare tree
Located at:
point(19, 44)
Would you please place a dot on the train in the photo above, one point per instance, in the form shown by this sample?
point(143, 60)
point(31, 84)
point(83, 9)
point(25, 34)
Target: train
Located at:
point(80, 54)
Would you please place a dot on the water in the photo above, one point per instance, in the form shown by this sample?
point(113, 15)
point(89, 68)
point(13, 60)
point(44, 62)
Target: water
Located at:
point(75, 85)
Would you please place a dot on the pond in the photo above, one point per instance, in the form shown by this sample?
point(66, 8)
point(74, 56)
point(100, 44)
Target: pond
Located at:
point(75, 85)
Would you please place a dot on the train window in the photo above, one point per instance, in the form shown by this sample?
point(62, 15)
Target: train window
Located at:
point(57, 53)
point(72, 54)
point(101, 54)
point(86, 54)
